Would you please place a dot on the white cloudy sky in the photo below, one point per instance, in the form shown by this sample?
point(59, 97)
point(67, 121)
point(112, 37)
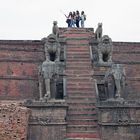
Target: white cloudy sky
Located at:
point(32, 19)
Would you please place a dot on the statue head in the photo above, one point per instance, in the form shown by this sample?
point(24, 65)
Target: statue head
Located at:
point(52, 38)
point(54, 22)
point(106, 39)
point(100, 25)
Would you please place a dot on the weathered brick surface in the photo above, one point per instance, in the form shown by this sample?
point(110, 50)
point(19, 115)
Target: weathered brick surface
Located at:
point(122, 57)
point(21, 56)
point(128, 54)
point(19, 61)
point(13, 121)
point(18, 89)
point(121, 47)
point(18, 69)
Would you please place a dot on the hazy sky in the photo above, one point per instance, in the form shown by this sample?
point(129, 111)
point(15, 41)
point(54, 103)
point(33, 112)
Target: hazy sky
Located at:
point(32, 19)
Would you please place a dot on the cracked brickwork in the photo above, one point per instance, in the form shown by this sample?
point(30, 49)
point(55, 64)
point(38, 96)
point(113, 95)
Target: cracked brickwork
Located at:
point(13, 121)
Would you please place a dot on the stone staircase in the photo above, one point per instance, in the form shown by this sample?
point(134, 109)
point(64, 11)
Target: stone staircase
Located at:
point(80, 87)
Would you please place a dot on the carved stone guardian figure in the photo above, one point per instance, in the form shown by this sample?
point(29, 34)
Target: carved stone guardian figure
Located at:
point(48, 77)
point(55, 29)
point(52, 48)
point(98, 32)
point(115, 82)
point(105, 50)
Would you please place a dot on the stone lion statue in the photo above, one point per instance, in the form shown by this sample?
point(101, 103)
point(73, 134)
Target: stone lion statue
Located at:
point(52, 48)
point(105, 49)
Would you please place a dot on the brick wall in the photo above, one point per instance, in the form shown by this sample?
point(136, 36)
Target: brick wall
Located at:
point(19, 61)
point(129, 55)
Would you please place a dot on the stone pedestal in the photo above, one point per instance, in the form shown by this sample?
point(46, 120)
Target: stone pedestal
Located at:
point(47, 120)
point(119, 120)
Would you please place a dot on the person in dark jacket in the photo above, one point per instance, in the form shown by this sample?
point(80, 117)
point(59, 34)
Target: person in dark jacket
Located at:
point(77, 18)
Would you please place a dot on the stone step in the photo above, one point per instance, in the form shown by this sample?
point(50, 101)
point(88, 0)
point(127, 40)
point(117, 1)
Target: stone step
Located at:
point(79, 63)
point(83, 127)
point(82, 139)
point(81, 131)
point(76, 34)
point(81, 103)
point(80, 83)
point(77, 49)
point(85, 96)
point(72, 101)
point(88, 86)
point(77, 75)
point(75, 29)
point(79, 88)
point(83, 79)
point(82, 109)
point(77, 45)
point(77, 42)
point(82, 135)
point(78, 60)
point(80, 117)
point(79, 96)
point(77, 38)
point(81, 112)
point(82, 90)
point(78, 67)
point(77, 53)
point(82, 122)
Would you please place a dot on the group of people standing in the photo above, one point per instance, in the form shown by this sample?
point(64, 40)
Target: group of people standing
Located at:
point(75, 18)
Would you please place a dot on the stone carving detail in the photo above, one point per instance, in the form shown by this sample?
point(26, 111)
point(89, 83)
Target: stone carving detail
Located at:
point(122, 116)
point(51, 68)
point(98, 32)
point(52, 48)
point(115, 82)
point(105, 49)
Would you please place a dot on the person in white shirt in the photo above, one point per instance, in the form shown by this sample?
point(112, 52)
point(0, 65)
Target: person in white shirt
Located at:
point(83, 18)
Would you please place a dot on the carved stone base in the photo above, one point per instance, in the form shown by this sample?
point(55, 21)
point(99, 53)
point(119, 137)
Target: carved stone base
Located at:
point(119, 119)
point(47, 120)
